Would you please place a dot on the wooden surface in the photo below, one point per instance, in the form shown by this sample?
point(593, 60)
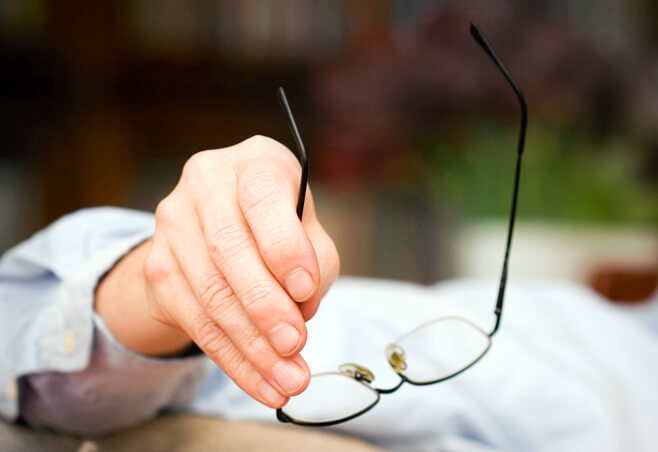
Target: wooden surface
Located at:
point(185, 433)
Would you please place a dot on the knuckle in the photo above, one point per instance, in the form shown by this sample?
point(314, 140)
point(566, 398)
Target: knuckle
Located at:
point(235, 364)
point(261, 145)
point(155, 271)
point(281, 245)
point(231, 240)
point(206, 169)
point(209, 337)
point(258, 352)
point(260, 142)
point(194, 163)
point(164, 212)
point(241, 371)
point(259, 186)
point(213, 292)
point(257, 294)
point(253, 346)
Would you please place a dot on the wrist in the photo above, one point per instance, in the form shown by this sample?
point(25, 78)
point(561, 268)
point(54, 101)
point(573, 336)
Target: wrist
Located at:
point(122, 301)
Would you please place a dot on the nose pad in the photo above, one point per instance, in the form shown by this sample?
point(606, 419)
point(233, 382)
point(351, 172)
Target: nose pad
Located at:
point(357, 372)
point(396, 357)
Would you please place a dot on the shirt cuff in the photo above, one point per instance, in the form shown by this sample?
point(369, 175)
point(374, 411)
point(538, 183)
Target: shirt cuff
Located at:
point(67, 331)
point(118, 388)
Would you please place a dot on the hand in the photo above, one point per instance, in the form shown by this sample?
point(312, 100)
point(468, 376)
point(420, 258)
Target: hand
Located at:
point(231, 267)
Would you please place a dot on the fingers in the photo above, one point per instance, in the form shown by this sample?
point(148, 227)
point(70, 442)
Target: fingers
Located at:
point(239, 294)
point(301, 256)
point(247, 367)
point(233, 251)
point(267, 201)
point(223, 330)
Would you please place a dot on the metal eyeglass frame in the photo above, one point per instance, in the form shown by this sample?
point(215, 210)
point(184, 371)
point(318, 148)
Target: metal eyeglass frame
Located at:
point(394, 353)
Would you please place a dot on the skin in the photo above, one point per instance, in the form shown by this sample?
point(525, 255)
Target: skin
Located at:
point(231, 268)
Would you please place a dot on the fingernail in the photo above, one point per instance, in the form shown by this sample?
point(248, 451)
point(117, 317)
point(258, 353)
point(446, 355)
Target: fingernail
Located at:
point(288, 376)
point(300, 285)
point(270, 395)
point(285, 339)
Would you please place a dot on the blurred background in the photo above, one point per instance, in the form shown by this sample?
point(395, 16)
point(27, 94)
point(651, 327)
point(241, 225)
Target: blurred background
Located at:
point(410, 129)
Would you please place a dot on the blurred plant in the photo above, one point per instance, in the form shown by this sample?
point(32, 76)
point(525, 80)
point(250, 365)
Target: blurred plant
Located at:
point(565, 176)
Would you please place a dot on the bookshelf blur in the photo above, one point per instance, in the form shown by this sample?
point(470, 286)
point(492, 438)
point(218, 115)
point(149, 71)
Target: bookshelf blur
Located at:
point(407, 126)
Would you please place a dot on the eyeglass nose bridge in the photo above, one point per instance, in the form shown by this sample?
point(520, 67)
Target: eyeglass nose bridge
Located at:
point(357, 372)
point(397, 357)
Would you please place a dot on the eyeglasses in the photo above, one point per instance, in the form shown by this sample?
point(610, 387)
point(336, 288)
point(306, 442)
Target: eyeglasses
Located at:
point(432, 352)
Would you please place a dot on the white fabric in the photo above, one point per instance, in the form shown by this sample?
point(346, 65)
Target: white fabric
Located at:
point(566, 371)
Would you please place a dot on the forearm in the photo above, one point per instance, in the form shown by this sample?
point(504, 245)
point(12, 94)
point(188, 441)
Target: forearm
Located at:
point(122, 301)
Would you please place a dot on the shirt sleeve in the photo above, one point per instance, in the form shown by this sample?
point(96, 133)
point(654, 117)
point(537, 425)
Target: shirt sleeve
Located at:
point(60, 366)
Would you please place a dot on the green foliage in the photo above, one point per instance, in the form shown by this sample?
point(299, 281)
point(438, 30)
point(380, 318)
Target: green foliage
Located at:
point(565, 176)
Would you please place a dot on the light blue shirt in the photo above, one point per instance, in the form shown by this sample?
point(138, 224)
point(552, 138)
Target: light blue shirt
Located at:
point(57, 355)
point(567, 371)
